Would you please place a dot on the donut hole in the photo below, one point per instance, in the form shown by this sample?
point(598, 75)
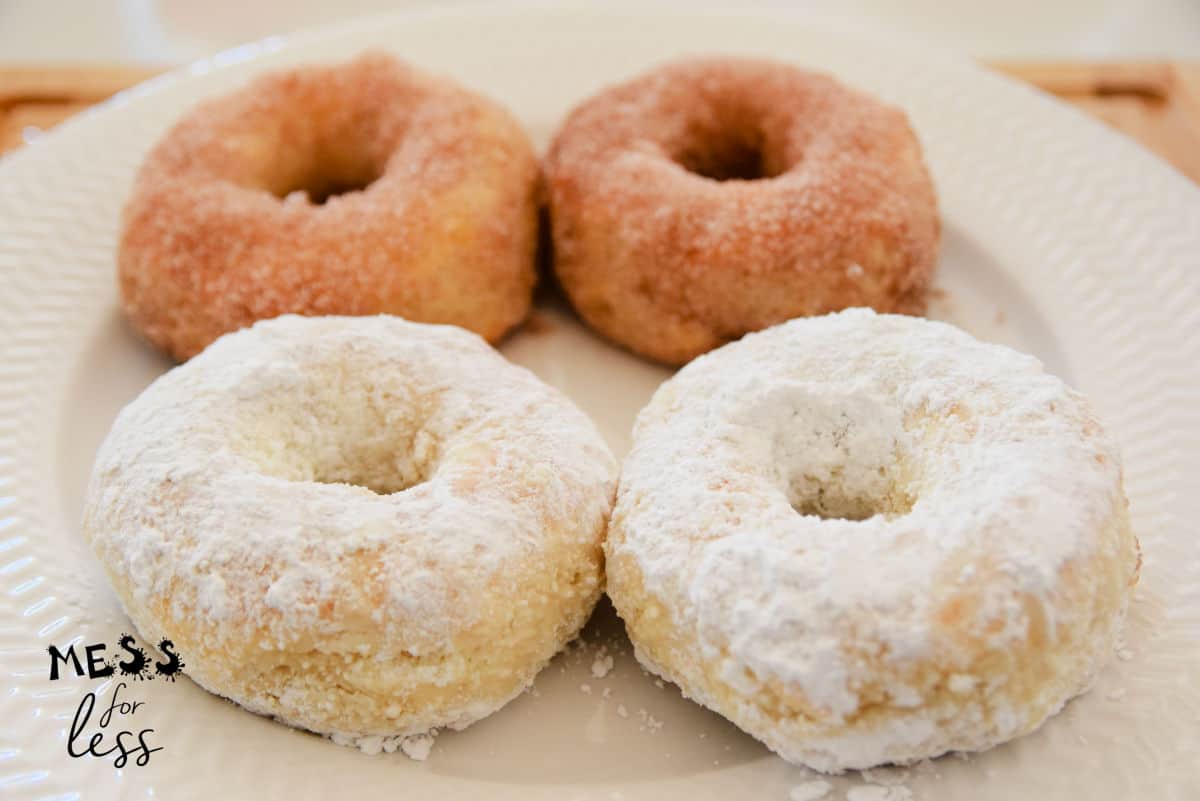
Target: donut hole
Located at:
point(371, 444)
point(374, 469)
point(841, 458)
point(731, 153)
point(323, 180)
point(834, 499)
point(344, 429)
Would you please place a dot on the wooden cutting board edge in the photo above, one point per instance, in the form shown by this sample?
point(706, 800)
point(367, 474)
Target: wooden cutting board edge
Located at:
point(1157, 103)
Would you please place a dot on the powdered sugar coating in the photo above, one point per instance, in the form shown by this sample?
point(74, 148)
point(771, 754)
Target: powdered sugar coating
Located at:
point(714, 196)
point(870, 538)
point(363, 526)
point(219, 231)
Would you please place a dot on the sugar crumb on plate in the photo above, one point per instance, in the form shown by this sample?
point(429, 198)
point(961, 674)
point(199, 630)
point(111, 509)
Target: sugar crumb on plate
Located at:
point(602, 665)
point(810, 791)
point(878, 792)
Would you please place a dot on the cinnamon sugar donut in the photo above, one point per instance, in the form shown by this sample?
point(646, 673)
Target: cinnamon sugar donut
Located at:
point(359, 188)
point(713, 197)
point(871, 538)
point(361, 526)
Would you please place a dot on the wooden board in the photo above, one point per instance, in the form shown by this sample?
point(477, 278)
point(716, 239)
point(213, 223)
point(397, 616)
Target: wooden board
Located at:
point(34, 98)
point(1156, 103)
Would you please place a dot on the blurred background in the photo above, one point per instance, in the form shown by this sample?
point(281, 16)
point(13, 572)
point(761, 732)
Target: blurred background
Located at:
point(172, 31)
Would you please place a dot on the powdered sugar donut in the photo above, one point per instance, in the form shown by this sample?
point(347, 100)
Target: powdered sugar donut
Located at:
point(359, 188)
point(715, 196)
point(870, 538)
point(364, 527)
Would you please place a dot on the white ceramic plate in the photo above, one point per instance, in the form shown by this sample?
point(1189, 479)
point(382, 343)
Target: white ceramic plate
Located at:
point(1061, 238)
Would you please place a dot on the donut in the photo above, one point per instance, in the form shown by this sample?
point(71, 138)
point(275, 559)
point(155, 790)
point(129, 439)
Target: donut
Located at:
point(361, 526)
point(871, 539)
point(354, 189)
point(712, 197)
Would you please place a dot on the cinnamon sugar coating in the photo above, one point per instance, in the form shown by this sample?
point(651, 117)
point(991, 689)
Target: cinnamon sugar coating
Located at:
point(712, 197)
point(358, 188)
